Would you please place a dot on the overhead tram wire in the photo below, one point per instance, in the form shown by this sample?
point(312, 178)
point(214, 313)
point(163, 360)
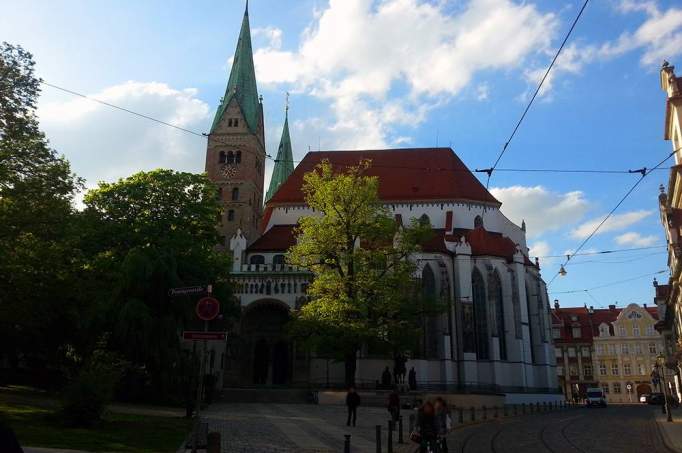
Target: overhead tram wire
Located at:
point(606, 285)
point(138, 114)
point(645, 173)
point(604, 252)
point(537, 90)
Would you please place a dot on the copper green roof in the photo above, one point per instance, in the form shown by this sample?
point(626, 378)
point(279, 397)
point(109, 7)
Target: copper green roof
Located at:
point(242, 83)
point(284, 162)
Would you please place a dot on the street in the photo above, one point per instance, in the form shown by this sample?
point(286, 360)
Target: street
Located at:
point(614, 429)
point(311, 428)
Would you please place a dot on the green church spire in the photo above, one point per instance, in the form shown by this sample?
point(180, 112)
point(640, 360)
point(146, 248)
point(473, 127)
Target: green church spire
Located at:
point(284, 162)
point(242, 83)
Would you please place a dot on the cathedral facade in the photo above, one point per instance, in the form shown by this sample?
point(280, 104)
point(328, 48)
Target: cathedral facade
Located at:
point(496, 332)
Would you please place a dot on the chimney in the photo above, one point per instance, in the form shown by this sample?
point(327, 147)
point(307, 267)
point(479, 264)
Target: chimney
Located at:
point(612, 307)
point(556, 304)
point(645, 306)
point(591, 310)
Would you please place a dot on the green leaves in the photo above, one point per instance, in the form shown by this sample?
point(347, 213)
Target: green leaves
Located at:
point(364, 289)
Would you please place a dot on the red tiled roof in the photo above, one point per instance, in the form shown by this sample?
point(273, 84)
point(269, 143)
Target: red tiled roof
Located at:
point(404, 174)
point(486, 243)
point(277, 238)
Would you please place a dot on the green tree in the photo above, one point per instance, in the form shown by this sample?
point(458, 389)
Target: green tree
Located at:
point(155, 230)
point(37, 229)
point(363, 289)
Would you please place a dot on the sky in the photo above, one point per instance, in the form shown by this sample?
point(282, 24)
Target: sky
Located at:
point(369, 74)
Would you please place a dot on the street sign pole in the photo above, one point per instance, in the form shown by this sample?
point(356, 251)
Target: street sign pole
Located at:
point(200, 386)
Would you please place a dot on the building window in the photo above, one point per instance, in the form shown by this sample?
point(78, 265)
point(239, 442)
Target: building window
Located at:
point(614, 369)
point(278, 259)
point(600, 349)
point(605, 387)
point(221, 157)
point(556, 333)
point(650, 331)
point(627, 370)
point(558, 353)
point(480, 314)
point(603, 331)
point(497, 308)
point(573, 371)
point(560, 370)
point(616, 387)
point(638, 348)
point(612, 349)
point(586, 352)
point(516, 305)
point(571, 352)
point(230, 157)
point(624, 348)
point(576, 332)
point(602, 368)
point(478, 222)
point(652, 348)
point(219, 196)
point(235, 194)
point(230, 215)
point(235, 122)
point(238, 157)
point(640, 369)
point(635, 330)
point(257, 259)
point(587, 370)
point(621, 331)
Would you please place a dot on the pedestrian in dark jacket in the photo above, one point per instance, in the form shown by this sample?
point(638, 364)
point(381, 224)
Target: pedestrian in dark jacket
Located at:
point(386, 378)
point(427, 427)
point(352, 402)
point(443, 422)
point(394, 405)
point(412, 379)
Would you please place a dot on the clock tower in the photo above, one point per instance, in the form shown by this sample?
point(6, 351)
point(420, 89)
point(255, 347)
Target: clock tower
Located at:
point(235, 156)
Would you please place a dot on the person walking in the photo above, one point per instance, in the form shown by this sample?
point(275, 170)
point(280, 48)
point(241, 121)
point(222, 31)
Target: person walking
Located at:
point(412, 379)
point(352, 402)
point(386, 378)
point(427, 428)
point(394, 405)
point(443, 423)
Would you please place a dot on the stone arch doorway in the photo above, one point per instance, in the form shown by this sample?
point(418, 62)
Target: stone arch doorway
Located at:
point(265, 357)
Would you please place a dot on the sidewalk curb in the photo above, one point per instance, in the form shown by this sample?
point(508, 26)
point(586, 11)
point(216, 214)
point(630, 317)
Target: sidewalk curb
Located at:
point(664, 436)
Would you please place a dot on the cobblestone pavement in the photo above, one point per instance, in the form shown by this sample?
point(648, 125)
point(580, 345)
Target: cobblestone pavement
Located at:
point(616, 429)
point(251, 428)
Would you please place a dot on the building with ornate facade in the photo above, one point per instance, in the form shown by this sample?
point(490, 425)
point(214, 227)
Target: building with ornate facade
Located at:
point(496, 332)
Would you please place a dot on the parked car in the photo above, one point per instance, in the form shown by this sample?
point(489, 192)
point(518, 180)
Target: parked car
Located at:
point(644, 398)
point(656, 398)
point(595, 397)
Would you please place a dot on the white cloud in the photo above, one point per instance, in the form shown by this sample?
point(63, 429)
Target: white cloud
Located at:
point(659, 36)
point(272, 34)
point(107, 144)
point(540, 248)
point(357, 54)
point(614, 223)
point(542, 209)
point(482, 92)
point(636, 239)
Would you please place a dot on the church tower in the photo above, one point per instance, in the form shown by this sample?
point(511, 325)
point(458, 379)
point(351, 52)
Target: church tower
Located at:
point(235, 156)
point(284, 162)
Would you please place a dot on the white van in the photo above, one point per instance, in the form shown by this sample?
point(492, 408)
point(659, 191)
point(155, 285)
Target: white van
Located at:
point(595, 397)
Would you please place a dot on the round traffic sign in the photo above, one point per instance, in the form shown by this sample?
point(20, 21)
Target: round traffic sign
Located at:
point(629, 386)
point(208, 308)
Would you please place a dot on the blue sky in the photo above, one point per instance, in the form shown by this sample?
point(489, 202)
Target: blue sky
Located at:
point(389, 73)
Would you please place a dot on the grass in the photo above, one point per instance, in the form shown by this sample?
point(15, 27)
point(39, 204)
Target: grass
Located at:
point(38, 426)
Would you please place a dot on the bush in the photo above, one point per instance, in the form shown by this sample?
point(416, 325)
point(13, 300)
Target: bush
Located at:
point(86, 398)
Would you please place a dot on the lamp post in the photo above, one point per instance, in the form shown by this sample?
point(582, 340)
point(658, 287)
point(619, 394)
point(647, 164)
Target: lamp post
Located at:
point(660, 364)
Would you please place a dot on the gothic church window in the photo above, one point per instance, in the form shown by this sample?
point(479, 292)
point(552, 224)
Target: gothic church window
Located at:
point(497, 310)
point(221, 157)
point(428, 284)
point(424, 220)
point(230, 157)
point(480, 314)
point(278, 259)
point(235, 122)
point(235, 194)
point(230, 215)
point(238, 157)
point(478, 222)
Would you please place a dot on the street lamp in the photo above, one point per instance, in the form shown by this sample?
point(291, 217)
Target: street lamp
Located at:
point(660, 365)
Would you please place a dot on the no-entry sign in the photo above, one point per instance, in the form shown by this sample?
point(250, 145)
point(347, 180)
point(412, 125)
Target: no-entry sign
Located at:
point(208, 308)
point(197, 335)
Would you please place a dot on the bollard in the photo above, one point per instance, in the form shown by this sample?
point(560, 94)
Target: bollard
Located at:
point(389, 441)
point(213, 442)
point(515, 409)
point(346, 443)
point(473, 414)
point(378, 428)
point(485, 413)
point(400, 430)
point(495, 414)
point(523, 408)
point(411, 423)
point(504, 410)
point(537, 406)
point(461, 415)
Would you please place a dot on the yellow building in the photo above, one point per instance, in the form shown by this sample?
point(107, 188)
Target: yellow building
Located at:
point(625, 349)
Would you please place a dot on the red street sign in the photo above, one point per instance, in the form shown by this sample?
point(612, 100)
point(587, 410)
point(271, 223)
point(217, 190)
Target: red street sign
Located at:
point(208, 308)
point(197, 335)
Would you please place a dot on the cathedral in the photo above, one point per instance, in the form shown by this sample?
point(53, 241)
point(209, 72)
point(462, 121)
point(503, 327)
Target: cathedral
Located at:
point(495, 334)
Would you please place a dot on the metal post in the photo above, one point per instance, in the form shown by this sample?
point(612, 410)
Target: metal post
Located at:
point(461, 415)
point(389, 440)
point(537, 406)
point(523, 408)
point(346, 443)
point(411, 423)
point(400, 430)
point(200, 391)
point(378, 438)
